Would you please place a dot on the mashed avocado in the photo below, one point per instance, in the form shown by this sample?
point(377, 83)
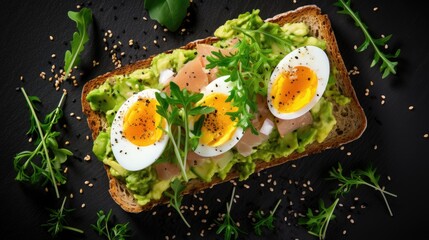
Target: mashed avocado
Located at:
point(144, 184)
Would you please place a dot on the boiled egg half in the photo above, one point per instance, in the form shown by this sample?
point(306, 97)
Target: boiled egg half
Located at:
point(219, 133)
point(136, 136)
point(298, 82)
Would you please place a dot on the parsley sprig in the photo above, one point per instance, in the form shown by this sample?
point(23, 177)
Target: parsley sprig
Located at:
point(229, 227)
point(388, 66)
point(43, 164)
point(267, 221)
point(177, 108)
point(359, 177)
point(176, 198)
point(317, 222)
point(104, 227)
point(57, 221)
point(83, 19)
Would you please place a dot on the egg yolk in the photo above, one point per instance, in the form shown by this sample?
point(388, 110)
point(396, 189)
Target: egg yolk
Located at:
point(218, 127)
point(141, 123)
point(293, 89)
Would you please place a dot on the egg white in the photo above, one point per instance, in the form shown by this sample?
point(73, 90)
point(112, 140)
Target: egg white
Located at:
point(219, 86)
point(129, 155)
point(309, 56)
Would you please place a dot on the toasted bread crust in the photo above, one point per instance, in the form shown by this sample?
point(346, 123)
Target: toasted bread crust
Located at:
point(351, 120)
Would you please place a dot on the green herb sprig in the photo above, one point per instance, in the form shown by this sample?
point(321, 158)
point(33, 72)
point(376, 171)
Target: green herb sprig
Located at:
point(103, 227)
point(176, 198)
point(229, 227)
point(388, 66)
point(317, 224)
point(265, 222)
point(169, 13)
point(43, 164)
point(177, 108)
point(83, 19)
point(57, 221)
point(249, 70)
point(357, 178)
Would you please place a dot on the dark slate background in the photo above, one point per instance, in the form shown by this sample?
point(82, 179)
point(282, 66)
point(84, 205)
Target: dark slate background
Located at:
point(401, 153)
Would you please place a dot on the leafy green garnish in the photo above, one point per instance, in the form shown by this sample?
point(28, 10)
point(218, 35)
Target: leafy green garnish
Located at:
point(267, 221)
point(387, 67)
point(317, 224)
point(249, 70)
point(229, 227)
point(57, 221)
point(176, 109)
point(169, 13)
point(83, 19)
point(43, 164)
point(176, 197)
point(359, 177)
point(119, 231)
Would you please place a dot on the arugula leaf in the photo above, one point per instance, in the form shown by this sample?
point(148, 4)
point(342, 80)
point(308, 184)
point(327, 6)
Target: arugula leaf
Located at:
point(119, 231)
point(47, 169)
point(359, 177)
point(387, 67)
point(317, 224)
point(229, 227)
point(57, 222)
point(177, 109)
point(169, 13)
point(176, 198)
point(249, 71)
point(267, 221)
point(83, 19)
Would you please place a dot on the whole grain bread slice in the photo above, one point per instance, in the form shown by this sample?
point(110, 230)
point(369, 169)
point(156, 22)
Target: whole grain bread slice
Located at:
point(351, 120)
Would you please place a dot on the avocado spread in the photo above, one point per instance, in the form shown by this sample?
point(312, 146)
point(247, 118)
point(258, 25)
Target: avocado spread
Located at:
point(144, 184)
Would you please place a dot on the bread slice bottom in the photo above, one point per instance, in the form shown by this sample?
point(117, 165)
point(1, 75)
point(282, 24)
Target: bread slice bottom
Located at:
point(351, 120)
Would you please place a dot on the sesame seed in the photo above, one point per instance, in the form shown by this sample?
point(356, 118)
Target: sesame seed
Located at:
point(355, 47)
point(382, 102)
point(246, 186)
point(67, 143)
point(389, 178)
point(71, 195)
point(293, 165)
point(271, 189)
point(375, 9)
point(30, 140)
point(86, 182)
point(71, 114)
point(51, 38)
point(349, 153)
point(426, 135)
point(83, 205)
point(342, 148)
point(53, 55)
point(371, 83)
point(154, 213)
point(66, 170)
point(145, 18)
point(375, 147)
point(344, 232)
point(78, 118)
point(46, 189)
point(411, 108)
point(87, 157)
point(87, 137)
point(155, 26)
point(352, 220)
point(81, 191)
point(91, 185)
